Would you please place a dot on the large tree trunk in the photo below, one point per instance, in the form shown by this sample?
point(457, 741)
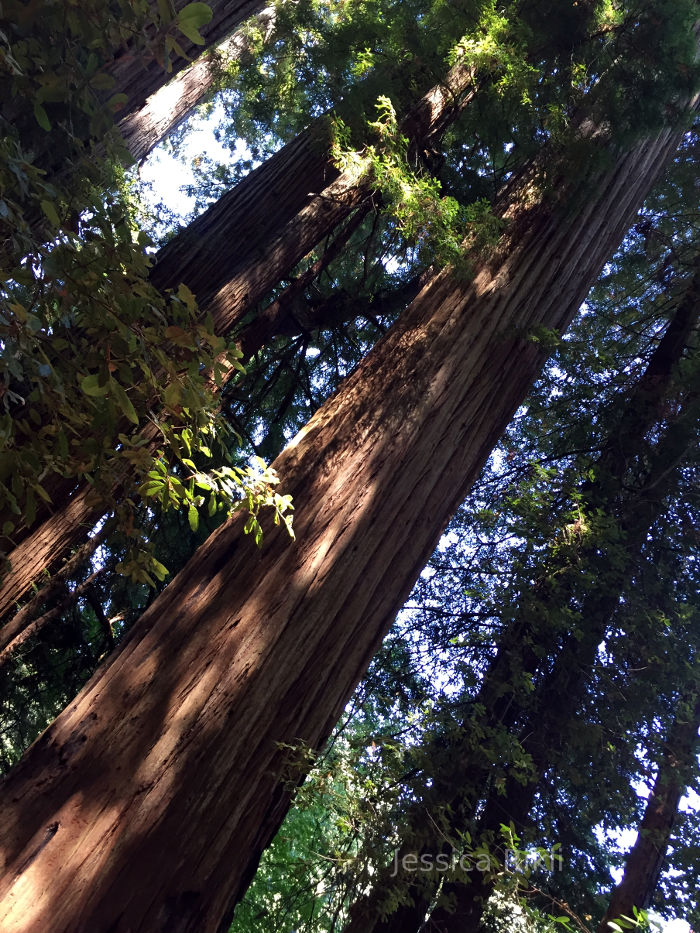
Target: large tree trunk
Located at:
point(139, 77)
point(140, 72)
point(231, 257)
point(544, 727)
point(644, 863)
point(540, 718)
point(282, 316)
point(146, 805)
point(147, 125)
point(137, 70)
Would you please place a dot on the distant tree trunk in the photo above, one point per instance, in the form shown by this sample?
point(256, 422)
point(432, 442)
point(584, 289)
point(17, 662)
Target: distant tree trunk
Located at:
point(139, 77)
point(138, 71)
point(146, 805)
point(645, 861)
point(543, 717)
point(231, 257)
point(147, 125)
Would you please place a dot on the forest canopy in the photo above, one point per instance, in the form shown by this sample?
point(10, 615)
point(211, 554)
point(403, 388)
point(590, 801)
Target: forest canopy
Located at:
point(350, 505)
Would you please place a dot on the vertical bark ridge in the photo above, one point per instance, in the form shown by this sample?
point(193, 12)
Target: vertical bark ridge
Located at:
point(166, 108)
point(575, 660)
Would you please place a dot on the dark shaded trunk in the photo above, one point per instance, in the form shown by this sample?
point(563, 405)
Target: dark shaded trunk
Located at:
point(139, 77)
point(541, 719)
point(148, 124)
point(231, 257)
point(645, 861)
point(173, 763)
point(546, 723)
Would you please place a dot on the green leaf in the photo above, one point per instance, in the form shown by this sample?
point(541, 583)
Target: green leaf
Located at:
point(102, 81)
point(199, 14)
point(191, 18)
point(192, 34)
point(193, 518)
point(117, 101)
point(172, 395)
point(42, 117)
point(91, 385)
point(49, 209)
point(160, 570)
point(152, 488)
point(122, 399)
point(186, 297)
point(172, 45)
point(165, 11)
point(42, 493)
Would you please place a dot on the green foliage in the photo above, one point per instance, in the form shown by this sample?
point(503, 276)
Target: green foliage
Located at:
point(539, 540)
point(437, 225)
point(101, 376)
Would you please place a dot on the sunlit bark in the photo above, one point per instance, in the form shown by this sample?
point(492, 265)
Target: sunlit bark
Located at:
point(148, 124)
point(231, 257)
point(146, 805)
point(539, 719)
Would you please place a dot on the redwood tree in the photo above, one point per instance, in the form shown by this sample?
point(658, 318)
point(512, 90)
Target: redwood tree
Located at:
point(144, 126)
point(556, 665)
point(176, 761)
point(231, 257)
point(676, 768)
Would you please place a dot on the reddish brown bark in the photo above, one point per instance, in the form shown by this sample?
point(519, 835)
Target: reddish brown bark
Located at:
point(231, 257)
point(148, 124)
point(645, 861)
point(138, 71)
point(138, 76)
point(147, 803)
point(278, 318)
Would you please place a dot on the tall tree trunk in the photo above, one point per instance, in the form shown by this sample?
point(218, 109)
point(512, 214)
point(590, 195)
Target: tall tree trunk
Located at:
point(231, 257)
point(148, 124)
point(543, 729)
point(545, 724)
point(137, 69)
point(146, 805)
point(645, 860)
point(542, 717)
point(139, 77)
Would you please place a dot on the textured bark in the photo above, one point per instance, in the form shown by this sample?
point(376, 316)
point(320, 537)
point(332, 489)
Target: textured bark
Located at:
point(147, 125)
point(231, 257)
point(146, 805)
point(544, 724)
point(137, 73)
point(32, 626)
point(233, 254)
point(14, 629)
point(139, 77)
point(645, 861)
point(543, 730)
point(540, 719)
point(84, 511)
